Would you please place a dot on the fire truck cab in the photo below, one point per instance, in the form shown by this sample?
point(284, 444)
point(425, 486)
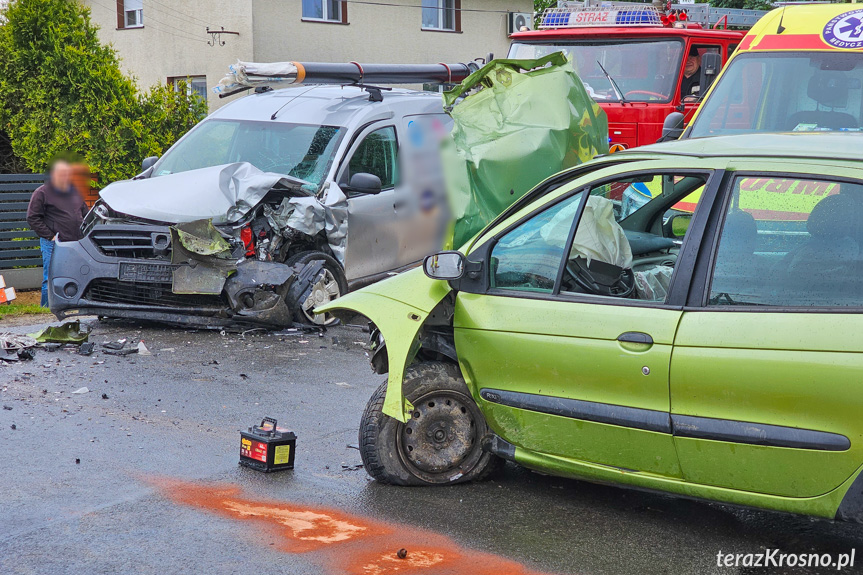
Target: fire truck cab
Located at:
point(632, 59)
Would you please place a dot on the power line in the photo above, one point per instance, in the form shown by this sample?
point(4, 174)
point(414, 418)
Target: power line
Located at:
point(188, 17)
point(184, 33)
point(370, 3)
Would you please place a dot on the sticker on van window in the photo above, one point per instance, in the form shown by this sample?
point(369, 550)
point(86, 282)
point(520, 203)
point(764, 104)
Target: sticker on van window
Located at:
point(845, 30)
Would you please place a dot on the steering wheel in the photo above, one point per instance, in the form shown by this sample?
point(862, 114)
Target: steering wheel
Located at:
point(620, 283)
point(646, 93)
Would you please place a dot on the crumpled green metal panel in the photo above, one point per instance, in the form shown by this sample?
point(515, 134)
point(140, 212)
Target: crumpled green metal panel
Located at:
point(532, 119)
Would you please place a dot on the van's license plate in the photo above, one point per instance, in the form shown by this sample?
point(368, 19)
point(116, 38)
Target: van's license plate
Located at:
point(146, 273)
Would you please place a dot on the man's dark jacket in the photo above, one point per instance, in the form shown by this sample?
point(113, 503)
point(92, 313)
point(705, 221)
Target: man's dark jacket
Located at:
point(55, 213)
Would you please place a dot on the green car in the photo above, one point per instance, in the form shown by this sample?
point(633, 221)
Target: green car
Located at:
point(684, 318)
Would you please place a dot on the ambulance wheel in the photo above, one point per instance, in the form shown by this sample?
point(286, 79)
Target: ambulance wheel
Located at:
point(332, 285)
point(440, 443)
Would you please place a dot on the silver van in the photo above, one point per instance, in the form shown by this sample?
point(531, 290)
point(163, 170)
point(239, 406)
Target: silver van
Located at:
point(272, 205)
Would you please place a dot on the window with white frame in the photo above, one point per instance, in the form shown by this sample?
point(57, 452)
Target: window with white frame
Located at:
point(130, 13)
point(193, 84)
point(325, 10)
point(441, 15)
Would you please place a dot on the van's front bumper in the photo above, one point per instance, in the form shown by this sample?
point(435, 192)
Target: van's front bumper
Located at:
point(85, 280)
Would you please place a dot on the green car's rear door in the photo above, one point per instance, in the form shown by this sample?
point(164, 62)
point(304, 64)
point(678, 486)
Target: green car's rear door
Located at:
point(767, 367)
point(563, 373)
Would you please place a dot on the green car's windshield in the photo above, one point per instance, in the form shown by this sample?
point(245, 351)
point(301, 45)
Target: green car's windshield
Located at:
point(644, 70)
point(785, 92)
point(298, 150)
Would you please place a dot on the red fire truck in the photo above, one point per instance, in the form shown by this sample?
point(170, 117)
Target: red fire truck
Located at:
point(632, 57)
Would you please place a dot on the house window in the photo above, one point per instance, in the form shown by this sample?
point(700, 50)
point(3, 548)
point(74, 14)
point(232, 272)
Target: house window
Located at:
point(325, 11)
point(193, 84)
point(130, 14)
point(441, 15)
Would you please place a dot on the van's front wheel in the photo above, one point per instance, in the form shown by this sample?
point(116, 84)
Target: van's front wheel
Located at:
point(440, 443)
point(331, 286)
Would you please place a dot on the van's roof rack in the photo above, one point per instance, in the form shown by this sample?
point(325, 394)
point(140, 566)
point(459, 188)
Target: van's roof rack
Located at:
point(246, 75)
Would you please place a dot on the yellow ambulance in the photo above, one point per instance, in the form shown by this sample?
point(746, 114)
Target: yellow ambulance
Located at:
point(799, 69)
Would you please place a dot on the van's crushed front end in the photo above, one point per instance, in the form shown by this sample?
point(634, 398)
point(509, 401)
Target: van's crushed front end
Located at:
point(168, 249)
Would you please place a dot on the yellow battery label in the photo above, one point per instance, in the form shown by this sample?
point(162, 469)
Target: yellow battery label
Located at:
point(283, 454)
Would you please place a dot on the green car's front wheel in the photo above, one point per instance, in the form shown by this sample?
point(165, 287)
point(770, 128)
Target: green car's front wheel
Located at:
point(440, 443)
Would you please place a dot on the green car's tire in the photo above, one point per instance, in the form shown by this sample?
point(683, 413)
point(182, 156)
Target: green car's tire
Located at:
point(439, 445)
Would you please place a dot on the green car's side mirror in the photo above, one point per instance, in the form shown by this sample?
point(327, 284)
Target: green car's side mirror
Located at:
point(444, 266)
point(678, 224)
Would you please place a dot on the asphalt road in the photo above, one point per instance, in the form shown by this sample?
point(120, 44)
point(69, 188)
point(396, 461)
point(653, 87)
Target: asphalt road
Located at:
point(157, 488)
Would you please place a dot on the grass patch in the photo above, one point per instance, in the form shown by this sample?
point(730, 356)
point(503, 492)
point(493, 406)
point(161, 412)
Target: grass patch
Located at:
point(18, 309)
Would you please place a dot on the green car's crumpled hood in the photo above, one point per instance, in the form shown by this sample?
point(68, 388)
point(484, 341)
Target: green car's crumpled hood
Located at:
point(399, 318)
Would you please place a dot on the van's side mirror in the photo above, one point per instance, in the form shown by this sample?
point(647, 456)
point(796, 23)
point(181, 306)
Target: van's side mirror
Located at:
point(363, 183)
point(672, 127)
point(148, 163)
point(711, 64)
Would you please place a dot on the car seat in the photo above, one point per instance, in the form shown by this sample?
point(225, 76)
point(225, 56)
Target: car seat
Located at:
point(829, 88)
point(832, 226)
point(735, 262)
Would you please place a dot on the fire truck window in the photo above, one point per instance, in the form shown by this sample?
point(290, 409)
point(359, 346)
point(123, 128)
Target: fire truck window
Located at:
point(644, 71)
point(690, 83)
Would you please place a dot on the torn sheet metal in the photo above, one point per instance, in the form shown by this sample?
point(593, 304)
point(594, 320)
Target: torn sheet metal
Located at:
point(311, 216)
point(223, 194)
point(203, 258)
point(270, 293)
point(69, 332)
point(532, 119)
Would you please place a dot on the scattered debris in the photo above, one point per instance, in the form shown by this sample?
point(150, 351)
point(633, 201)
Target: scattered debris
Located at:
point(343, 384)
point(69, 332)
point(104, 396)
point(82, 390)
point(27, 354)
point(86, 348)
point(244, 376)
point(356, 467)
point(13, 426)
point(11, 342)
point(142, 349)
point(7, 407)
point(119, 344)
point(352, 446)
point(77, 461)
point(402, 553)
point(51, 347)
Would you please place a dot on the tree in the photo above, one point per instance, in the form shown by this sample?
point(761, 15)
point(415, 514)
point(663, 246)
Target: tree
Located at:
point(62, 90)
point(747, 4)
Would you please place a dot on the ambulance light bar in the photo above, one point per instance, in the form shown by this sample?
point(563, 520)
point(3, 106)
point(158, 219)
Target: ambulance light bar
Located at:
point(578, 15)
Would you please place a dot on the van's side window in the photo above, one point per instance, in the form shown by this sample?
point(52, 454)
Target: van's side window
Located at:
point(377, 154)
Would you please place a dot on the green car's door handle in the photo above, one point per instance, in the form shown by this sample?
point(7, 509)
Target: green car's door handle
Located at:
point(635, 337)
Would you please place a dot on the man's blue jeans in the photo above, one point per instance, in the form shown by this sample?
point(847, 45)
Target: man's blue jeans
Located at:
point(47, 247)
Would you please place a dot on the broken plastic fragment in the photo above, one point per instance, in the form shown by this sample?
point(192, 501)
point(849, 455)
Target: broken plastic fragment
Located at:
point(142, 349)
point(70, 332)
point(82, 390)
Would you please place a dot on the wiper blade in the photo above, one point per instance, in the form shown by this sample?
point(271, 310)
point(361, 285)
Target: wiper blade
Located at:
point(614, 86)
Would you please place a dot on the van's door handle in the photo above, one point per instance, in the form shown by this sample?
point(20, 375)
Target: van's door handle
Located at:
point(635, 337)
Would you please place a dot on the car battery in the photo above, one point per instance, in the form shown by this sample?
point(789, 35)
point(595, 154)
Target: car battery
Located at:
point(267, 447)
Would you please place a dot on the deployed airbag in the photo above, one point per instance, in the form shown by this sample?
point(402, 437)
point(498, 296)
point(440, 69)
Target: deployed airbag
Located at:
point(515, 132)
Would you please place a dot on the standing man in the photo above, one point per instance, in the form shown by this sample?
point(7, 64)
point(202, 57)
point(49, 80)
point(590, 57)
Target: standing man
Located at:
point(55, 213)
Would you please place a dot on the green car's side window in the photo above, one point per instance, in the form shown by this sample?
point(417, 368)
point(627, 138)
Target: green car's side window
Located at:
point(790, 242)
point(529, 256)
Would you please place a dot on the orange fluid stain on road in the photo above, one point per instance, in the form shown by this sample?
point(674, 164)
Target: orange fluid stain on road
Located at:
point(342, 543)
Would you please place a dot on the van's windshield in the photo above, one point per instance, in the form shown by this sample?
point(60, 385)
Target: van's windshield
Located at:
point(644, 70)
point(302, 151)
point(785, 92)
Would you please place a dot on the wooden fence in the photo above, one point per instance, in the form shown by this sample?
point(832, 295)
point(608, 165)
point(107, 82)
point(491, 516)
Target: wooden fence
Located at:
point(19, 245)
